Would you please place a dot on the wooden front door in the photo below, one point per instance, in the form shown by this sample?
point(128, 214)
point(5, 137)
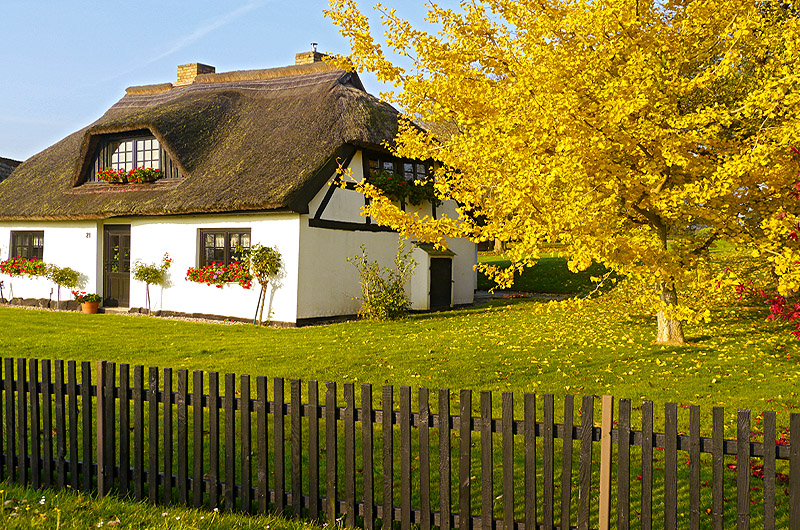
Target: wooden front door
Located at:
point(116, 265)
point(441, 283)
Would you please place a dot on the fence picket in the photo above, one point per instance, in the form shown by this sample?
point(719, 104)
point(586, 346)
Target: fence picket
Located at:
point(405, 458)
point(548, 460)
point(61, 427)
point(213, 440)
point(487, 465)
point(585, 472)
point(197, 438)
point(694, 467)
point(2, 398)
point(246, 442)
point(743, 470)
point(47, 424)
point(262, 409)
point(349, 455)
point(10, 429)
point(367, 443)
point(529, 433)
point(670, 466)
point(465, 461)
point(423, 404)
point(769, 470)
point(86, 422)
point(124, 433)
point(22, 425)
point(330, 451)
point(168, 440)
point(280, 458)
point(229, 404)
point(445, 466)
point(124, 429)
point(566, 461)
point(36, 433)
point(387, 430)
point(297, 449)
point(110, 423)
point(794, 471)
point(182, 404)
point(647, 465)
point(152, 449)
point(508, 460)
point(314, 506)
point(138, 433)
point(624, 466)
point(717, 465)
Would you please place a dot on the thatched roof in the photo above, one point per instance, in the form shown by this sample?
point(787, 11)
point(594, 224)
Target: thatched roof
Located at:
point(244, 141)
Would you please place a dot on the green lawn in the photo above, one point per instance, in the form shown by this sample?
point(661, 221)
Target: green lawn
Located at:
point(738, 360)
point(22, 509)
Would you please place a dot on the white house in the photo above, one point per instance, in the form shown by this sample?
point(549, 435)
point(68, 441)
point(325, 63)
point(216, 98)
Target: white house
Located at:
point(246, 157)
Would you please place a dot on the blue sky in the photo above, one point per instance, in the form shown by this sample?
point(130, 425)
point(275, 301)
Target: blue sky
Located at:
point(65, 62)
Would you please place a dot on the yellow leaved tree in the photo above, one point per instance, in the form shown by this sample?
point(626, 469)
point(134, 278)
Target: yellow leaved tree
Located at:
point(613, 128)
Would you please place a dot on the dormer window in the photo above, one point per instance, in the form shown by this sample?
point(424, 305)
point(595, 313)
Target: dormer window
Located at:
point(409, 169)
point(131, 150)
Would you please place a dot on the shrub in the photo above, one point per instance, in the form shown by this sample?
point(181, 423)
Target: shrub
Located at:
point(264, 263)
point(383, 294)
point(63, 277)
point(151, 274)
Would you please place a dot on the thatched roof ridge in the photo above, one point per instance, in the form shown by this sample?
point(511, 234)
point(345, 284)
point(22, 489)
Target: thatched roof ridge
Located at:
point(244, 142)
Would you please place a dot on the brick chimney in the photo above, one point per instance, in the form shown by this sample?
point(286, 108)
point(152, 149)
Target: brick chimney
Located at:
point(187, 72)
point(309, 57)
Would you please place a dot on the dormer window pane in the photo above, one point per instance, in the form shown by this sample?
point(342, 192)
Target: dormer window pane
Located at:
point(128, 153)
point(408, 171)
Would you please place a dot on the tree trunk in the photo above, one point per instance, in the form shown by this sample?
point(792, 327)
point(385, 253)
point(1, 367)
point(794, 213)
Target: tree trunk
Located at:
point(499, 246)
point(670, 331)
point(263, 303)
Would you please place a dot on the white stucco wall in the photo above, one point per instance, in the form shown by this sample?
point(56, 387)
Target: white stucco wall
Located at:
point(152, 237)
point(66, 244)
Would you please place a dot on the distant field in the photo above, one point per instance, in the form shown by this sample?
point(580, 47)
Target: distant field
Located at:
point(549, 275)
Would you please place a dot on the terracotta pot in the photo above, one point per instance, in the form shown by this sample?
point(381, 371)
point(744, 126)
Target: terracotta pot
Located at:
point(89, 307)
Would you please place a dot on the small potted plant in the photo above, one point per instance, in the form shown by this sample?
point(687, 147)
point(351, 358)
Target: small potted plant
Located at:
point(89, 302)
point(112, 176)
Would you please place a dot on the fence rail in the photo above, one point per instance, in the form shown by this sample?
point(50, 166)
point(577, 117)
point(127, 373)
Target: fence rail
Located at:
point(182, 441)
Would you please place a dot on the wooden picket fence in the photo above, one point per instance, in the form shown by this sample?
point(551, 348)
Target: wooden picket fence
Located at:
point(111, 436)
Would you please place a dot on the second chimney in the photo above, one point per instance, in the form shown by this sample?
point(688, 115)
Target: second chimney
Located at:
point(308, 57)
point(187, 72)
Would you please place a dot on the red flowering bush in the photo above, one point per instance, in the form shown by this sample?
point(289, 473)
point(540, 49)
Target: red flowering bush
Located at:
point(139, 175)
point(219, 274)
point(21, 266)
point(112, 175)
point(780, 307)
